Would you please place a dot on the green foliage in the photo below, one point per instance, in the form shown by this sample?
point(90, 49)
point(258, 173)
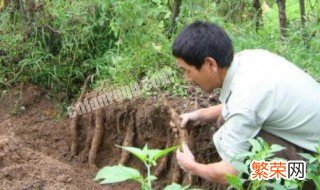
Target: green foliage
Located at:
point(236, 11)
point(175, 186)
point(117, 41)
point(262, 151)
point(149, 156)
point(313, 166)
point(300, 47)
point(166, 80)
point(119, 173)
point(61, 42)
point(235, 181)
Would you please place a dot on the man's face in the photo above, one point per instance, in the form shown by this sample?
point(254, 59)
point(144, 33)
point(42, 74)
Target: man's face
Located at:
point(208, 77)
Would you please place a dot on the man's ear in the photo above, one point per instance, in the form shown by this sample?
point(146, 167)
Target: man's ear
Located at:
point(211, 63)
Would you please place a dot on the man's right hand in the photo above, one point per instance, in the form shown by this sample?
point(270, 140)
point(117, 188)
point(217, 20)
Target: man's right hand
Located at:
point(193, 117)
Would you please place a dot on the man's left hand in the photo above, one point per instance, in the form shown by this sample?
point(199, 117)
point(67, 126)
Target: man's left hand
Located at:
point(185, 158)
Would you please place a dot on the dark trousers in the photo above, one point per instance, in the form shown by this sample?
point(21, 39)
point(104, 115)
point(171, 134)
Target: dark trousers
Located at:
point(291, 150)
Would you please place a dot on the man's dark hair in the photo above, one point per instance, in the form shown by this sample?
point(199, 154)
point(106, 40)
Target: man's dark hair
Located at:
point(200, 40)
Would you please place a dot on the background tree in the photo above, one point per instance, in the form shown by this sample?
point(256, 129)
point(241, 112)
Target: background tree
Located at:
point(258, 14)
point(282, 18)
point(174, 14)
point(302, 13)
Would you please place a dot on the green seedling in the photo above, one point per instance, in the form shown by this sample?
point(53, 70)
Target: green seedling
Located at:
point(120, 173)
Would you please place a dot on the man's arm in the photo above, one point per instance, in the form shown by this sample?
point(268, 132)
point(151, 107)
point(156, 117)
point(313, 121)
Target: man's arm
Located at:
point(201, 115)
point(210, 114)
point(215, 172)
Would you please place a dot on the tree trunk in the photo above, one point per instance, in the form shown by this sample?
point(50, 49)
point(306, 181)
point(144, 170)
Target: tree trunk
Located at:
point(258, 13)
point(174, 14)
point(282, 18)
point(303, 23)
point(302, 13)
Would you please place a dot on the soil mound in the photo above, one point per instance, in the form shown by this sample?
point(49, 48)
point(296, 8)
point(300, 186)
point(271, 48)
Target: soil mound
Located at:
point(35, 141)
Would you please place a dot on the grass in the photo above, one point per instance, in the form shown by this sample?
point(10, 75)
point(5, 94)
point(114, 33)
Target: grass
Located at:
point(124, 41)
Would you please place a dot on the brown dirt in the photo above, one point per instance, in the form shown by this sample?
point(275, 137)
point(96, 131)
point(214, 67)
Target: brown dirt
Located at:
point(35, 141)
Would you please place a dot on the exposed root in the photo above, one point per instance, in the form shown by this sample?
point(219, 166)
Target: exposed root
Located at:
point(84, 89)
point(191, 179)
point(163, 163)
point(183, 133)
point(74, 120)
point(74, 135)
point(119, 115)
point(118, 124)
point(135, 124)
point(97, 137)
point(183, 138)
point(128, 139)
point(177, 172)
point(88, 124)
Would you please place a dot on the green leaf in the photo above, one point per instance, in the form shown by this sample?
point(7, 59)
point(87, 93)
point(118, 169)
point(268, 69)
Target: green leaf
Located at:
point(255, 145)
point(278, 159)
point(276, 148)
point(314, 178)
point(156, 154)
point(244, 155)
point(175, 186)
point(312, 167)
point(242, 168)
point(157, 1)
point(145, 149)
point(119, 173)
point(141, 154)
point(276, 186)
point(291, 184)
point(234, 181)
point(151, 177)
point(261, 141)
point(309, 157)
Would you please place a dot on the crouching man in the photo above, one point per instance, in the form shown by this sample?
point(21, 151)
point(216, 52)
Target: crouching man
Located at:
point(262, 94)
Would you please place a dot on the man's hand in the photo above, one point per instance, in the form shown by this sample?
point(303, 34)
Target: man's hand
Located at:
point(215, 172)
point(185, 158)
point(191, 116)
point(209, 114)
point(220, 121)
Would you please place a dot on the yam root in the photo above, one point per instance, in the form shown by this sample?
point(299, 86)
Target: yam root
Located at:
point(74, 120)
point(97, 137)
point(183, 133)
point(177, 172)
point(183, 138)
point(88, 123)
point(163, 163)
point(128, 139)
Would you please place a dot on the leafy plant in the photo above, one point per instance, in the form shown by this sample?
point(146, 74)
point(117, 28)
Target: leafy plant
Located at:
point(119, 173)
point(167, 80)
point(175, 186)
point(313, 166)
point(260, 151)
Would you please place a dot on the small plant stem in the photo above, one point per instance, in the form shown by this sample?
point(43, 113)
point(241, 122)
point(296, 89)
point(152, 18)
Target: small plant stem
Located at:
point(148, 177)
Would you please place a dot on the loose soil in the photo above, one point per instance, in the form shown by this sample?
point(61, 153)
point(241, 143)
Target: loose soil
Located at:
point(35, 141)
